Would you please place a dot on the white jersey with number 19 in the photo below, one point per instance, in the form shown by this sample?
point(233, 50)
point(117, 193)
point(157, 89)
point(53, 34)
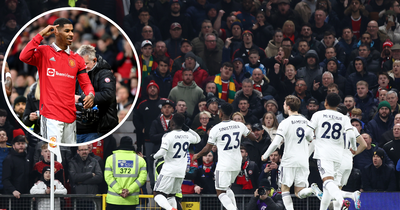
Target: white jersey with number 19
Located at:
point(227, 136)
point(329, 127)
point(292, 130)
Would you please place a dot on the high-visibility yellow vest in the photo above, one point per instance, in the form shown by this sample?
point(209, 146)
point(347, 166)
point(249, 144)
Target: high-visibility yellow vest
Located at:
point(124, 170)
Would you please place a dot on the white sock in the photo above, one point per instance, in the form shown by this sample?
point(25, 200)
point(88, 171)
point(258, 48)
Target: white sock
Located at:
point(305, 192)
point(333, 190)
point(347, 195)
point(336, 205)
point(162, 201)
point(172, 201)
point(231, 195)
point(287, 201)
point(226, 201)
point(326, 200)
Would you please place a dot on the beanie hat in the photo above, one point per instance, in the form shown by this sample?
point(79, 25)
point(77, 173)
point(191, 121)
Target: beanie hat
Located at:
point(211, 99)
point(17, 132)
point(248, 32)
point(386, 104)
point(388, 43)
point(175, 1)
point(19, 99)
point(272, 101)
point(237, 23)
point(380, 153)
point(152, 82)
point(191, 55)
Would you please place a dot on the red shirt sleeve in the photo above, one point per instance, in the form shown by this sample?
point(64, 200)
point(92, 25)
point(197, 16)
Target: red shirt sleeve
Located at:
point(31, 53)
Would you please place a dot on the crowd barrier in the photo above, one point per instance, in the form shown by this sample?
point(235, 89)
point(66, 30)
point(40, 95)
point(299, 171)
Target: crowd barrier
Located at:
point(370, 201)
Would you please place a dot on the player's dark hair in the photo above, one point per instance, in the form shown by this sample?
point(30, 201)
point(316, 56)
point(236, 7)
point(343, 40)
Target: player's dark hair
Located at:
point(227, 109)
point(61, 22)
point(333, 99)
point(179, 120)
point(293, 102)
point(342, 109)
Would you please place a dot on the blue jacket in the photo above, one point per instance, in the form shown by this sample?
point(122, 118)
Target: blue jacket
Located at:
point(3, 155)
point(376, 127)
point(365, 158)
point(353, 78)
point(378, 179)
point(368, 105)
point(197, 13)
point(348, 48)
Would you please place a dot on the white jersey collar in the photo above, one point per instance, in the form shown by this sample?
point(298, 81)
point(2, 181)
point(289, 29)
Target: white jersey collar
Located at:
point(68, 51)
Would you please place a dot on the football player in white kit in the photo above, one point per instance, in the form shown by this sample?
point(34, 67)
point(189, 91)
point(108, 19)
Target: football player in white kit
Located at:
point(294, 164)
point(347, 162)
point(329, 126)
point(227, 136)
point(174, 148)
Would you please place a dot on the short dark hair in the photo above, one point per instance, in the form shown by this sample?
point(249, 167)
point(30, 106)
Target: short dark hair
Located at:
point(365, 45)
point(287, 39)
point(334, 49)
point(61, 22)
point(227, 109)
point(333, 99)
point(143, 9)
point(186, 69)
point(342, 109)
point(164, 59)
point(3, 113)
point(328, 33)
point(254, 51)
point(303, 40)
point(306, 24)
point(333, 85)
point(179, 119)
point(227, 64)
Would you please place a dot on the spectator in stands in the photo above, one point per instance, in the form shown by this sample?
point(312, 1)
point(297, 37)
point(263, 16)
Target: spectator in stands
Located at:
point(17, 169)
point(4, 150)
point(31, 118)
point(382, 122)
point(43, 187)
point(361, 73)
point(199, 74)
point(392, 147)
point(187, 90)
point(365, 101)
point(197, 13)
point(388, 135)
point(144, 17)
point(247, 45)
point(238, 71)
point(4, 124)
point(244, 15)
point(19, 106)
point(173, 43)
point(204, 118)
point(244, 110)
point(350, 103)
point(312, 107)
point(204, 182)
point(146, 59)
point(271, 105)
point(372, 64)
point(332, 66)
point(382, 95)
point(147, 34)
point(158, 128)
point(212, 53)
point(392, 98)
point(20, 10)
point(159, 51)
point(301, 91)
point(39, 166)
point(377, 36)
point(124, 101)
point(320, 89)
point(182, 108)
point(391, 27)
point(364, 158)
point(85, 172)
point(330, 52)
point(312, 70)
point(147, 111)
point(388, 65)
point(177, 15)
point(320, 27)
point(378, 176)
point(123, 191)
point(355, 13)
point(262, 83)
point(270, 124)
point(232, 42)
point(254, 97)
point(256, 148)
point(384, 83)
point(247, 179)
point(262, 30)
point(186, 46)
point(212, 107)
point(210, 87)
point(254, 62)
point(270, 170)
point(199, 43)
point(161, 76)
point(285, 13)
point(357, 124)
point(270, 199)
point(348, 41)
point(306, 34)
point(103, 81)
point(274, 44)
point(329, 40)
point(10, 27)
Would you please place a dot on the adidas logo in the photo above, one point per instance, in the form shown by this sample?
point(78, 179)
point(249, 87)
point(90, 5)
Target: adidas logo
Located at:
point(391, 149)
point(147, 108)
point(52, 59)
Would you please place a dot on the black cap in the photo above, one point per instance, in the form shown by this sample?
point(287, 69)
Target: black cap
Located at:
point(356, 119)
point(187, 41)
point(170, 102)
point(46, 168)
point(265, 184)
point(126, 143)
point(312, 101)
point(256, 126)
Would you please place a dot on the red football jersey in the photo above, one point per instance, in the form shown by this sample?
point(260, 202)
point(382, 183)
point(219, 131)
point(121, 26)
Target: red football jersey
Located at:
point(57, 70)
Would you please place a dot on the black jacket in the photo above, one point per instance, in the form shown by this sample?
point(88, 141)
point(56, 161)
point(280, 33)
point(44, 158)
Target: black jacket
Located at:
point(164, 83)
point(32, 105)
point(81, 175)
point(156, 131)
point(256, 107)
point(257, 149)
point(273, 203)
point(103, 82)
point(16, 173)
point(378, 179)
point(353, 78)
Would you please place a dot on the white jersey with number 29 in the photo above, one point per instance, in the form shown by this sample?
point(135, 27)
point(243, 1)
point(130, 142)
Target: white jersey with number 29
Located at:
point(329, 127)
point(227, 136)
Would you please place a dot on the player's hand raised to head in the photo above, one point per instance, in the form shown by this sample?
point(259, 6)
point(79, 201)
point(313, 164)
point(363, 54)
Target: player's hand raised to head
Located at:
point(49, 30)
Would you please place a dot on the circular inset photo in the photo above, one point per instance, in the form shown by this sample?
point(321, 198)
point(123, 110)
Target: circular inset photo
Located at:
point(69, 72)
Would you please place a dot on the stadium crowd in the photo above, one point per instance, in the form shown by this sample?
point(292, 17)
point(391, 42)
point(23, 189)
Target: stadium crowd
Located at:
point(196, 54)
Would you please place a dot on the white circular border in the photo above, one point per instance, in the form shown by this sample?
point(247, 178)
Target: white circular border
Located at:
point(139, 69)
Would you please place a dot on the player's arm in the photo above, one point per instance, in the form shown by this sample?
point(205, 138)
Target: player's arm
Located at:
point(87, 87)
point(350, 135)
point(251, 136)
point(362, 145)
point(198, 138)
point(163, 148)
point(203, 152)
point(29, 54)
point(8, 81)
point(309, 133)
point(275, 144)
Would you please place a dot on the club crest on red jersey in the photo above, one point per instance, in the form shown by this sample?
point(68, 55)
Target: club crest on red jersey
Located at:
point(71, 62)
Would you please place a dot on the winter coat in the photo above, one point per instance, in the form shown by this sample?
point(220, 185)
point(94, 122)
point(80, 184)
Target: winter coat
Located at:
point(271, 50)
point(272, 203)
point(378, 179)
point(32, 105)
point(190, 94)
point(278, 19)
point(164, 83)
point(256, 149)
point(318, 33)
point(243, 53)
point(340, 53)
point(44, 203)
point(353, 78)
point(347, 22)
point(348, 48)
point(262, 34)
point(372, 65)
point(16, 172)
point(199, 47)
point(365, 158)
point(197, 13)
point(376, 127)
point(309, 75)
point(251, 175)
point(256, 106)
point(81, 175)
point(368, 105)
point(394, 35)
point(180, 60)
